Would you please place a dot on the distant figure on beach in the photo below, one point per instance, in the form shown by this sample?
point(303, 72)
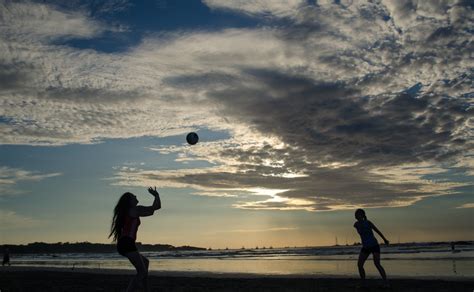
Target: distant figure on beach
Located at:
point(369, 244)
point(124, 229)
point(6, 257)
point(453, 248)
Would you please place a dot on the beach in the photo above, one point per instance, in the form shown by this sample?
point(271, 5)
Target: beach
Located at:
point(418, 260)
point(60, 279)
point(410, 267)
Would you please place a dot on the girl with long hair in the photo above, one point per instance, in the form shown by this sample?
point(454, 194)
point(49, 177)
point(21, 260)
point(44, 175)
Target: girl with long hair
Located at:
point(370, 244)
point(124, 229)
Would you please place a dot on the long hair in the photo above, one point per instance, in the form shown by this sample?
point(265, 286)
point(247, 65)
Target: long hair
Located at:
point(361, 212)
point(120, 210)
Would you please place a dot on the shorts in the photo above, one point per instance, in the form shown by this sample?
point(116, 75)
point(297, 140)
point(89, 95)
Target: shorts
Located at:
point(125, 245)
point(371, 249)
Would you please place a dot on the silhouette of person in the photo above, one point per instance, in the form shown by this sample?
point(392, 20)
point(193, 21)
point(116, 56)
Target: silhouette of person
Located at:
point(369, 244)
point(6, 257)
point(124, 229)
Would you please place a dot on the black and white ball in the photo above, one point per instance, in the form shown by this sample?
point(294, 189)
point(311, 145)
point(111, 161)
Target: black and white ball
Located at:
point(192, 138)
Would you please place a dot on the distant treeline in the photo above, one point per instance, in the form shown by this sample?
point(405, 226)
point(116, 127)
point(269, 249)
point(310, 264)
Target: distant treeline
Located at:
point(87, 247)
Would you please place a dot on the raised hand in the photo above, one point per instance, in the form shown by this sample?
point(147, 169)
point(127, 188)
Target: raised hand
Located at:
point(152, 191)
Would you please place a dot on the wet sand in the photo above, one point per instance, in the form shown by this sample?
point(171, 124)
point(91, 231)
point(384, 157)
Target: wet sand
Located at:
point(40, 279)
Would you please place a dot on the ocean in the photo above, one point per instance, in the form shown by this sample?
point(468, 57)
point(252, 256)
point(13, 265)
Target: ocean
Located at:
point(404, 260)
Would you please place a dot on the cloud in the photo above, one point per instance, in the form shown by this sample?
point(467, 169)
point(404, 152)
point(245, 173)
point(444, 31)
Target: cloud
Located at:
point(334, 131)
point(10, 177)
point(216, 194)
point(91, 8)
point(321, 188)
point(39, 22)
point(466, 206)
point(14, 221)
point(328, 106)
point(279, 8)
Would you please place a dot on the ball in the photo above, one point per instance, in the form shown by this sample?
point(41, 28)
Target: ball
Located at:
point(192, 138)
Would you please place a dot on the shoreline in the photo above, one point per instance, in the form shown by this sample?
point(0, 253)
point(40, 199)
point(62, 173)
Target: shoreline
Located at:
point(61, 279)
point(227, 275)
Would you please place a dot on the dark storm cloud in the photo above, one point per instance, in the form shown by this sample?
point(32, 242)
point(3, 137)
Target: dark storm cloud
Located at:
point(89, 95)
point(10, 79)
point(16, 76)
point(335, 122)
point(201, 81)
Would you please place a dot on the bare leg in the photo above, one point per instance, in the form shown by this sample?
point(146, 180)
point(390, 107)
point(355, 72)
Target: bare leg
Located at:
point(142, 272)
point(146, 262)
point(379, 266)
point(360, 264)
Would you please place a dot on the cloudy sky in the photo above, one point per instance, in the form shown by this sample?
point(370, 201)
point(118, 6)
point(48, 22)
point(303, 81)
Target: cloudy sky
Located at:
point(306, 110)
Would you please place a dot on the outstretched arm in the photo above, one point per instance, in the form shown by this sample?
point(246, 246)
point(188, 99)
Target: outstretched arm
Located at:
point(143, 211)
point(379, 233)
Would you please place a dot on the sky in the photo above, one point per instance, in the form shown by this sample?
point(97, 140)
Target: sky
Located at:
point(305, 111)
